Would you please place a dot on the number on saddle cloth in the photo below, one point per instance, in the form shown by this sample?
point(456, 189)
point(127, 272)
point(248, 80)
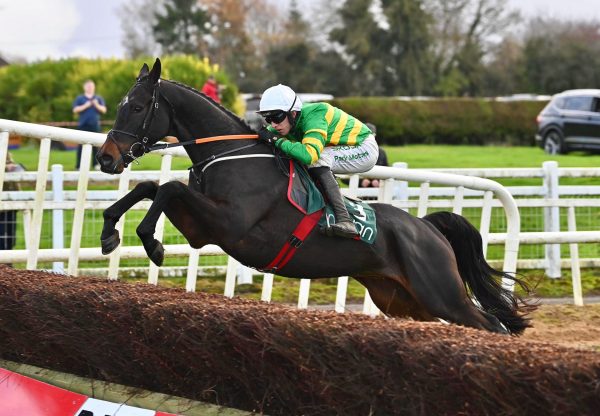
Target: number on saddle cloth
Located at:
point(306, 197)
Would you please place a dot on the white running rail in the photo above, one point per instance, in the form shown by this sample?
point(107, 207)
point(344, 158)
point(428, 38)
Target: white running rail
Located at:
point(391, 177)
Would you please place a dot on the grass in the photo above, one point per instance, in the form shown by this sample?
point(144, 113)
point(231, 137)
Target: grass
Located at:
point(416, 156)
point(285, 290)
point(444, 156)
point(322, 291)
point(550, 288)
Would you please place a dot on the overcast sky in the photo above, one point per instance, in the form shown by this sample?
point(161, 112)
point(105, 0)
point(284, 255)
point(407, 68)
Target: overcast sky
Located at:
point(37, 29)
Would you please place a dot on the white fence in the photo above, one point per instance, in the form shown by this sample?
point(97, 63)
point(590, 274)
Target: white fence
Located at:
point(395, 190)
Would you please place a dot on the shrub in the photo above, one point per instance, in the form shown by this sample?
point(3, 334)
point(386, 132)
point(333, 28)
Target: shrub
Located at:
point(44, 91)
point(446, 121)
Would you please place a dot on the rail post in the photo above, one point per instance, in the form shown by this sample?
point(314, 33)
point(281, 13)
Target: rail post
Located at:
point(58, 224)
point(79, 214)
point(35, 230)
point(3, 151)
point(552, 218)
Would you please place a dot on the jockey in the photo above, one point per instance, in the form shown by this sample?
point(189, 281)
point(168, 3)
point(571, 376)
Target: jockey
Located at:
point(324, 138)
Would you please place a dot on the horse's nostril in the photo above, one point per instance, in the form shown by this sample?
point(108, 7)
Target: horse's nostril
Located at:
point(104, 159)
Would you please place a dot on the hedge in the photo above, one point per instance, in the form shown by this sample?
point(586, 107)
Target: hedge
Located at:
point(44, 91)
point(446, 121)
point(276, 360)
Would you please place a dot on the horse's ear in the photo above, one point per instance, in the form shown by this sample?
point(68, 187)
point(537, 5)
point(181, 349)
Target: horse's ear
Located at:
point(155, 72)
point(143, 71)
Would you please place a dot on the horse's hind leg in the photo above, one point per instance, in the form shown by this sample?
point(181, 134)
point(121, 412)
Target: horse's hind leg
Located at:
point(393, 299)
point(440, 289)
point(110, 237)
point(436, 284)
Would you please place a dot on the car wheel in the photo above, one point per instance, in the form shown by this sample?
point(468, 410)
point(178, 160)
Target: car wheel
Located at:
point(553, 143)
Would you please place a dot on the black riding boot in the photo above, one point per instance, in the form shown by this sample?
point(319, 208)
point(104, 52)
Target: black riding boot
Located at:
point(344, 227)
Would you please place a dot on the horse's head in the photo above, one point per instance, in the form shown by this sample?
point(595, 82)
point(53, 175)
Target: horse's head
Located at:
point(143, 118)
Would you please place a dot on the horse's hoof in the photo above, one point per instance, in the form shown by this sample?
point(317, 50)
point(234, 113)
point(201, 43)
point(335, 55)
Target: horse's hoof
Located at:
point(109, 244)
point(157, 254)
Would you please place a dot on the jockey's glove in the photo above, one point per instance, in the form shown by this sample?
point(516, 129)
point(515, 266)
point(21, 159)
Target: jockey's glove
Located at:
point(267, 136)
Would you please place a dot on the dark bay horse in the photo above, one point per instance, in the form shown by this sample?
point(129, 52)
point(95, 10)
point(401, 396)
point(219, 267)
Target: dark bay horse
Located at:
point(420, 268)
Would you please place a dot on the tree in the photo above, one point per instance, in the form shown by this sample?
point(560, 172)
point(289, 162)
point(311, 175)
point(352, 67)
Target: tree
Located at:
point(290, 57)
point(387, 42)
point(235, 34)
point(137, 22)
point(464, 31)
point(561, 55)
point(504, 73)
point(357, 34)
point(241, 33)
point(297, 60)
point(180, 27)
point(408, 40)
point(163, 27)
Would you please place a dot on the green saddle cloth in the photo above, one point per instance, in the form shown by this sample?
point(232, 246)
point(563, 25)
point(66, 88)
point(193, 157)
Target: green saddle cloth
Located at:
point(302, 191)
point(304, 195)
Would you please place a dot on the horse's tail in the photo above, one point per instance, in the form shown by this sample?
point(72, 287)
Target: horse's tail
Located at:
point(479, 277)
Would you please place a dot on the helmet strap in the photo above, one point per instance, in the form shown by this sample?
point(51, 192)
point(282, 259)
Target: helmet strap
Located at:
point(291, 118)
point(294, 102)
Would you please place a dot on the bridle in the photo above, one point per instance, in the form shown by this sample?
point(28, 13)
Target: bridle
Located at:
point(140, 147)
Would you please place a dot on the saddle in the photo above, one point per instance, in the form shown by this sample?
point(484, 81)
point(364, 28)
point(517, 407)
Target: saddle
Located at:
point(304, 195)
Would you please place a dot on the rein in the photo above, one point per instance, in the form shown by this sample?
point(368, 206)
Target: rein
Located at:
point(162, 146)
point(211, 158)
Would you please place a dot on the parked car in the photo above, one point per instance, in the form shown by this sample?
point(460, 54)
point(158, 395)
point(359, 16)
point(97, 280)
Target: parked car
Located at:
point(570, 121)
point(253, 100)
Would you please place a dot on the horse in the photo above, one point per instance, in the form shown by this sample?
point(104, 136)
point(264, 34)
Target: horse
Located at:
point(426, 268)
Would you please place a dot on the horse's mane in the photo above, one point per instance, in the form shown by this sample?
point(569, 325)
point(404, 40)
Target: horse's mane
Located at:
point(228, 112)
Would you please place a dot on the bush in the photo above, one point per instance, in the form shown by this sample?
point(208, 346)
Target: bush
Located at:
point(446, 121)
point(44, 91)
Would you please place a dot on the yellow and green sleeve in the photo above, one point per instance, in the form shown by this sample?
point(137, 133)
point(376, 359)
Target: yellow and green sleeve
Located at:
point(309, 149)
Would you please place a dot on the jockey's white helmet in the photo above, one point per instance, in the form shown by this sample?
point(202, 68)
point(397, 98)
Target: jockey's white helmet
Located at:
point(279, 97)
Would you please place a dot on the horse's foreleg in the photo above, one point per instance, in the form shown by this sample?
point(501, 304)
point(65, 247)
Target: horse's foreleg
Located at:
point(178, 202)
point(110, 237)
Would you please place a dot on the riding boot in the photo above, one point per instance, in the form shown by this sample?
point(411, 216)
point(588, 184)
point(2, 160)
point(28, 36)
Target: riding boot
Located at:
point(344, 227)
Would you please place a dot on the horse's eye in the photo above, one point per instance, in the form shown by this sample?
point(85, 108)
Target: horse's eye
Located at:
point(137, 108)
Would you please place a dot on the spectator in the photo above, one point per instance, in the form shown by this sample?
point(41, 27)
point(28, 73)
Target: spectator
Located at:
point(8, 219)
point(211, 89)
point(88, 106)
point(382, 160)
